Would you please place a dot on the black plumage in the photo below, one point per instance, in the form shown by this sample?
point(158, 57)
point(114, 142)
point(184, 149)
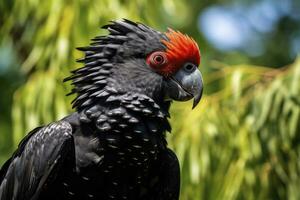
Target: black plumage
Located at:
point(113, 146)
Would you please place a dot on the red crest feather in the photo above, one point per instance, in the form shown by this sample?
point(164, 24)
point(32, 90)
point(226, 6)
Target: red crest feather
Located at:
point(180, 49)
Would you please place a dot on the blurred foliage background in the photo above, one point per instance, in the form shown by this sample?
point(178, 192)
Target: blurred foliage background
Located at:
point(242, 142)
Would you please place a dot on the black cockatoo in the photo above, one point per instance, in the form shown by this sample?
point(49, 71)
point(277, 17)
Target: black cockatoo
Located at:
point(113, 146)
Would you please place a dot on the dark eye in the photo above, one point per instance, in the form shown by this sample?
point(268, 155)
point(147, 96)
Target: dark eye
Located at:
point(158, 58)
point(189, 67)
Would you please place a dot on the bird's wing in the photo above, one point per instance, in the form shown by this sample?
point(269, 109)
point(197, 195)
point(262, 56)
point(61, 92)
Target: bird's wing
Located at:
point(43, 150)
point(166, 186)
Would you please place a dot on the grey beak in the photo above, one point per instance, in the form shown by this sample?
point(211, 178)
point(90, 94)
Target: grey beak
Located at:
point(185, 85)
point(197, 87)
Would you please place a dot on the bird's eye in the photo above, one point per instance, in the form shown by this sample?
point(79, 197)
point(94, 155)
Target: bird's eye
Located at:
point(158, 58)
point(189, 67)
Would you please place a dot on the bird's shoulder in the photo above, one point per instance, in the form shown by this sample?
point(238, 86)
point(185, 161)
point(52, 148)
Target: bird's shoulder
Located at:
point(40, 137)
point(40, 152)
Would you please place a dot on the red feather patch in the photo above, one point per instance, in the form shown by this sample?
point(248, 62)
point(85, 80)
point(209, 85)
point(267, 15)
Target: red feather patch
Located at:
point(180, 49)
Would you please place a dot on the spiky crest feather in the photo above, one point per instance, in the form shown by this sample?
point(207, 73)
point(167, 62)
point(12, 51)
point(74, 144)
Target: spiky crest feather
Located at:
point(126, 39)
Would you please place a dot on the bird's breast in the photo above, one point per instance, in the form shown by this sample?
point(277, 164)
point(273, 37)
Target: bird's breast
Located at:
point(112, 165)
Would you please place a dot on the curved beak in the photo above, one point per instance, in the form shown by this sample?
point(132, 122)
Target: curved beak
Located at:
point(184, 86)
point(196, 87)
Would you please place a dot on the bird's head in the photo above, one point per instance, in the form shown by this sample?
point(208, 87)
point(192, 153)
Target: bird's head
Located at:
point(178, 63)
point(138, 59)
